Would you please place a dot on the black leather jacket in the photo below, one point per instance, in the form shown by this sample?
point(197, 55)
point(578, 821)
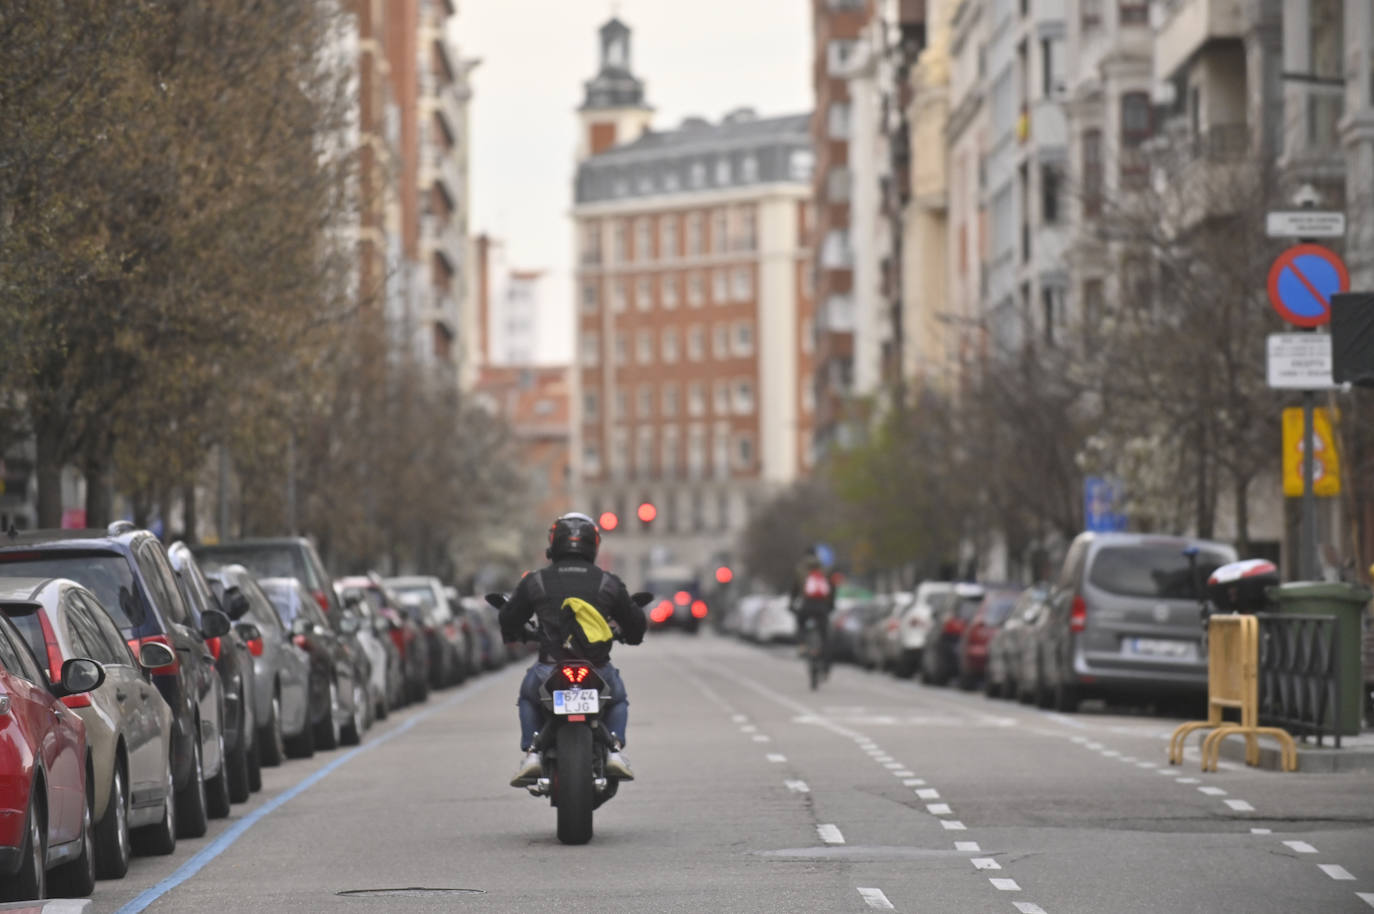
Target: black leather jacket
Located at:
point(540, 595)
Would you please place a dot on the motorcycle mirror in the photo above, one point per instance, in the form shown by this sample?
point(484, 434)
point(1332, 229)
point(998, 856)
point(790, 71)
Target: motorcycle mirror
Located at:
point(496, 599)
point(643, 598)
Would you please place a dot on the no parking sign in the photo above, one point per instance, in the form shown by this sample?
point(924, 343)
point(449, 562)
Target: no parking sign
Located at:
point(1302, 281)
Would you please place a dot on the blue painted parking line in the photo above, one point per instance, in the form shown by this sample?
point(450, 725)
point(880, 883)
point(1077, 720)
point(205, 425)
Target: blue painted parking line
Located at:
point(236, 831)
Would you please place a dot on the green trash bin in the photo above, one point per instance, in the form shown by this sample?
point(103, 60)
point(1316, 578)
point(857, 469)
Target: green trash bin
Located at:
point(1347, 603)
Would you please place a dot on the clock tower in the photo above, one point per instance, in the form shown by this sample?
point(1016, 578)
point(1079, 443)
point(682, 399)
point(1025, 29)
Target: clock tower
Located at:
point(613, 111)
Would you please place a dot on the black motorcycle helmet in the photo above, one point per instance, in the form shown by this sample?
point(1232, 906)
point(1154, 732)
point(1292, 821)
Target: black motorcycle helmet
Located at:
point(573, 534)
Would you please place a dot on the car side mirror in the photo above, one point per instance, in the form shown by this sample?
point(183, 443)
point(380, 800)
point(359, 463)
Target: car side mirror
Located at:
point(81, 675)
point(300, 626)
point(348, 624)
point(215, 624)
point(153, 655)
point(248, 631)
point(496, 599)
point(235, 603)
point(352, 600)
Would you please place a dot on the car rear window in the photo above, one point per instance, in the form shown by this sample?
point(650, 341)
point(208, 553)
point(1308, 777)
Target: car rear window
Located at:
point(32, 630)
point(968, 607)
point(263, 561)
point(999, 606)
point(107, 575)
point(1160, 572)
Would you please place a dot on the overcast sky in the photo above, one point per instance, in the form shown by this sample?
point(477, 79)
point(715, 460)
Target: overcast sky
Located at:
point(697, 57)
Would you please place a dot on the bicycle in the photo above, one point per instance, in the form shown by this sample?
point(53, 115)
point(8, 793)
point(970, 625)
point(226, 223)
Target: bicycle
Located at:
point(814, 651)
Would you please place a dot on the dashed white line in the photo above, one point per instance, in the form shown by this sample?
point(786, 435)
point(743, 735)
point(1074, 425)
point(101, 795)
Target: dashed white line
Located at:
point(760, 738)
point(1092, 746)
point(1167, 772)
point(775, 757)
point(928, 793)
point(1147, 764)
point(1212, 791)
point(1188, 780)
point(903, 773)
point(1078, 739)
point(876, 899)
point(1110, 753)
point(830, 834)
point(1335, 871)
point(986, 863)
point(882, 758)
point(953, 825)
point(967, 846)
point(1025, 907)
point(1127, 758)
point(1006, 885)
point(892, 766)
point(1240, 806)
point(739, 718)
point(1301, 847)
point(913, 782)
point(748, 728)
point(938, 809)
point(1261, 831)
point(797, 786)
point(1366, 897)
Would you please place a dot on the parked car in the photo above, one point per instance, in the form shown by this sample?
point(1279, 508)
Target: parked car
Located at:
point(775, 622)
point(450, 650)
point(740, 619)
point(678, 601)
point(128, 724)
point(234, 662)
point(297, 712)
point(848, 626)
point(334, 655)
point(277, 557)
point(1003, 677)
point(906, 641)
point(1124, 619)
point(127, 570)
point(386, 674)
point(45, 819)
point(405, 631)
point(951, 613)
point(973, 644)
point(485, 626)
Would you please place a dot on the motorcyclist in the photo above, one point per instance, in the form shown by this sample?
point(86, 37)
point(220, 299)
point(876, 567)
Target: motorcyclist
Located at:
point(813, 599)
point(570, 577)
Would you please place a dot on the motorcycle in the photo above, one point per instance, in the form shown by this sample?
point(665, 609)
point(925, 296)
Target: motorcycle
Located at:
point(573, 740)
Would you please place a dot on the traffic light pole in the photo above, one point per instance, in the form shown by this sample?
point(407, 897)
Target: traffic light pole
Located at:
point(1307, 540)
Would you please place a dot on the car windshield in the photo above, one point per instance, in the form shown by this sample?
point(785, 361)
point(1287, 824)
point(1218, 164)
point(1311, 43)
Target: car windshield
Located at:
point(1161, 572)
point(106, 575)
point(32, 630)
point(263, 561)
point(420, 593)
point(285, 598)
point(999, 606)
point(968, 607)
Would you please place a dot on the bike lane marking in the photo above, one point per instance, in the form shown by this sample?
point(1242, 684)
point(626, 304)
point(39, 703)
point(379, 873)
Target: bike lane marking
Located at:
point(876, 899)
point(830, 834)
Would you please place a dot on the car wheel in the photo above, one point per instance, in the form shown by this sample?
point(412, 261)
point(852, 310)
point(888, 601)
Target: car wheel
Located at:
point(77, 878)
point(302, 745)
point(160, 839)
point(192, 820)
point(30, 881)
point(990, 688)
point(270, 738)
point(383, 706)
point(327, 730)
point(352, 732)
point(1065, 697)
point(112, 833)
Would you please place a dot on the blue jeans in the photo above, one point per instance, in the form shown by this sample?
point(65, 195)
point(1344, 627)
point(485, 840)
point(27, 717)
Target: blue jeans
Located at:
point(615, 712)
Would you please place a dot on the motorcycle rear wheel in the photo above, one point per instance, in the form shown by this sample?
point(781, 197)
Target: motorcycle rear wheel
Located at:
point(575, 791)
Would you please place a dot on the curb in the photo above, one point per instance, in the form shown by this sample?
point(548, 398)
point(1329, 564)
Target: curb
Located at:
point(1311, 759)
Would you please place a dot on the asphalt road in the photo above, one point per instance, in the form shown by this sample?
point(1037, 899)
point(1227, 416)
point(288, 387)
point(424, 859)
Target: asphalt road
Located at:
point(755, 795)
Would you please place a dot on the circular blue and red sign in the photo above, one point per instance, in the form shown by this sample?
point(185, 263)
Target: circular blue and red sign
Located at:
point(1302, 281)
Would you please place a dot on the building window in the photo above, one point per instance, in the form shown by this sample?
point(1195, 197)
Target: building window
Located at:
point(1090, 14)
point(1137, 125)
point(645, 184)
point(720, 447)
point(644, 451)
point(1092, 305)
point(696, 343)
point(808, 336)
point(696, 399)
point(669, 401)
point(837, 183)
point(642, 251)
point(644, 347)
point(719, 230)
point(720, 286)
point(696, 290)
point(590, 300)
point(720, 402)
point(744, 397)
point(622, 405)
point(742, 284)
point(1092, 173)
point(617, 295)
point(1134, 12)
point(591, 348)
point(669, 345)
point(668, 290)
point(622, 349)
point(749, 169)
point(720, 341)
point(746, 229)
point(1052, 306)
point(835, 252)
point(644, 294)
point(724, 172)
point(668, 456)
point(838, 54)
point(646, 402)
point(801, 164)
point(618, 242)
point(1049, 194)
point(670, 181)
point(591, 243)
point(697, 175)
point(590, 404)
point(744, 452)
point(667, 238)
point(744, 339)
point(808, 397)
point(696, 465)
point(693, 234)
point(591, 459)
point(808, 282)
point(837, 120)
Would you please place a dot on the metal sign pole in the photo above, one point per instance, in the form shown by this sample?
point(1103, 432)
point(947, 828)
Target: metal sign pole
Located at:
point(1307, 543)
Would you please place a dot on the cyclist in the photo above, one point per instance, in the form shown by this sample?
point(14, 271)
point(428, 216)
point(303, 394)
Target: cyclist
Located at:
point(812, 600)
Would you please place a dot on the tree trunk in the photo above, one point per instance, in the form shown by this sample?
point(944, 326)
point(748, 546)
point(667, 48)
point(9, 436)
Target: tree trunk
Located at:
point(99, 492)
point(143, 508)
point(48, 469)
point(189, 518)
point(1242, 495)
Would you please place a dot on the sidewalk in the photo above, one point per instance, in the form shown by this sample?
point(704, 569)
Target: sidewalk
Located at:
point(1356, 754)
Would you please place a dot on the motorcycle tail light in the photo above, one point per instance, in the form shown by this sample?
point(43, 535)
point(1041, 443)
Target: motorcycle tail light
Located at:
point(576, 674)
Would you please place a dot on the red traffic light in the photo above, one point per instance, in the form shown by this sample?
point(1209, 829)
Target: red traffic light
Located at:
point(647, 512)
point(608, 521)
point(724, 575)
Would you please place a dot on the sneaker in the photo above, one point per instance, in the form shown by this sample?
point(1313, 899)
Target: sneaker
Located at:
point(618, 767)
point(529, 771)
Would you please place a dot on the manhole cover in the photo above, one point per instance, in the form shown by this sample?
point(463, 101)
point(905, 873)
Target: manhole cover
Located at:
point(412, 892)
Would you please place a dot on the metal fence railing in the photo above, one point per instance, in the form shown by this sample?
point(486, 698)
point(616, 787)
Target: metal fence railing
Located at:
point(1299, 675)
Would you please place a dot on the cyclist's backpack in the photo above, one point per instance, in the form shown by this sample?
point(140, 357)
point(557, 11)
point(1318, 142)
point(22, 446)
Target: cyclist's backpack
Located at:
point(816, 586)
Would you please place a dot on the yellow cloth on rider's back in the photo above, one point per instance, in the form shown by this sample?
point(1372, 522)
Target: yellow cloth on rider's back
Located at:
point(594, 626)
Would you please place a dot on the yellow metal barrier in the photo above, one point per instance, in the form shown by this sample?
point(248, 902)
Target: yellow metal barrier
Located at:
point(1232, 682)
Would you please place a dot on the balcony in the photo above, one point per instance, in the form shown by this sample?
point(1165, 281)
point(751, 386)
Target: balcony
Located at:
point(1189, 25)
point(443, 237)
point(440, 164)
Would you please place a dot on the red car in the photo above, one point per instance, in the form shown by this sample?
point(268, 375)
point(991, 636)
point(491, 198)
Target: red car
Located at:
point(973, 647)
point(45, 819)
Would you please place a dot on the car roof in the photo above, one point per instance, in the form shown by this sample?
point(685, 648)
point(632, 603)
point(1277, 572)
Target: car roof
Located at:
point(1114, 538)
point(25, 590)
point(76, 539)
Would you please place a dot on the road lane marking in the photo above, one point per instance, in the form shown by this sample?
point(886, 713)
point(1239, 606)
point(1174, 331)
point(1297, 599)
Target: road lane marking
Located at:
point(797, 786)
point(1261, 831)
point(876, 899)
point(1240, 806)
point(231, 834)
point(1335, 871)
point(892, 766)
point(1366, 897)
point(1006, 885)
point(953, 825)
point(739, 718)
point(1078, 739)
point(1147, 764)
point(1167, 772)
point(1301, 847)
point(1092, 746)
point(914, 782)
point(1110, 753)
point(882, 758)
point(775, 757)
point(760, 738)
point(830, 834)
point(1187, 780)
point(928, 793)
point(1066, 720)
point(748, 728)
point(986, 863)
point(903, 773)
point(967, 846)
point(938, 809)
point(1212, 791)
point(1129, 759)
point(1025, 907)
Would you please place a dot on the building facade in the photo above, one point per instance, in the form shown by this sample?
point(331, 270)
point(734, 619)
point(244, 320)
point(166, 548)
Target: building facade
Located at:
point(693, 322)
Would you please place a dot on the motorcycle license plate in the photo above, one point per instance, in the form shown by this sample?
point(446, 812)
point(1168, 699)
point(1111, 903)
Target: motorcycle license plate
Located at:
point(575, 701)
